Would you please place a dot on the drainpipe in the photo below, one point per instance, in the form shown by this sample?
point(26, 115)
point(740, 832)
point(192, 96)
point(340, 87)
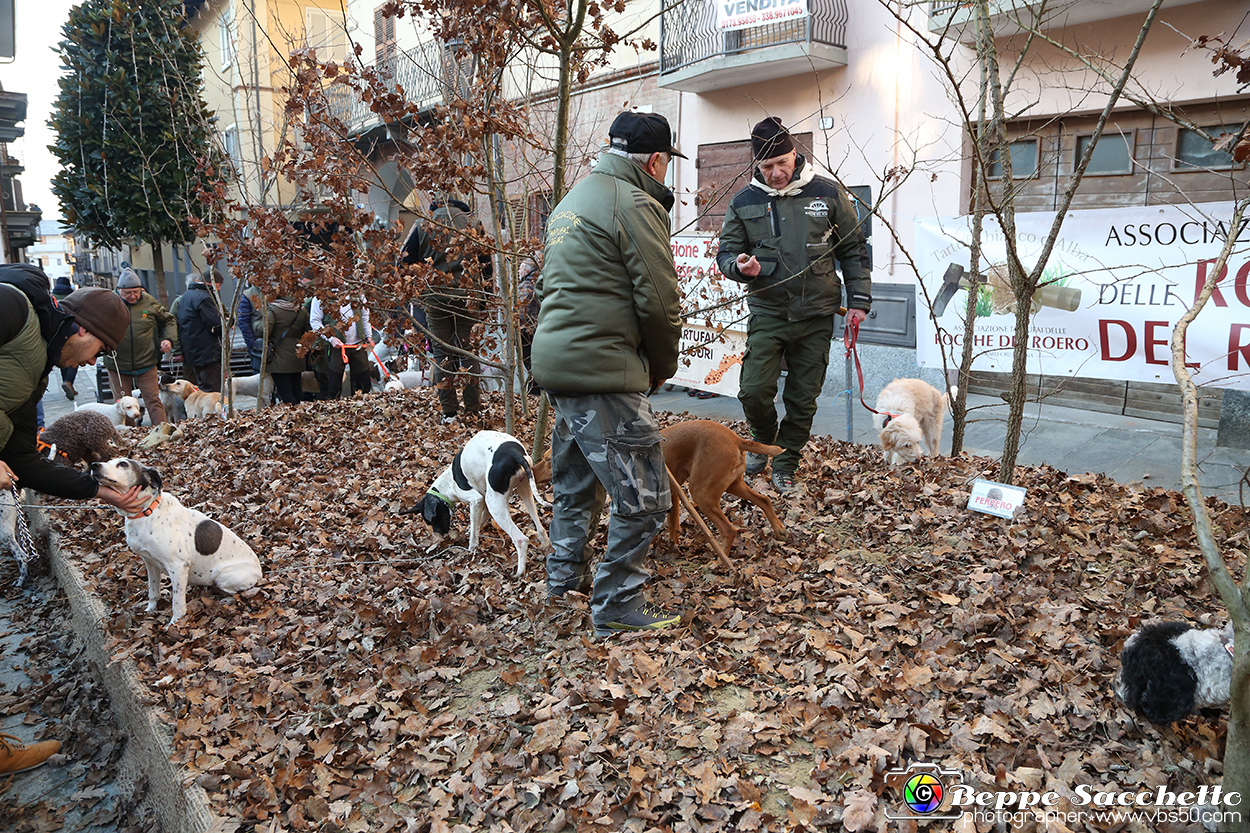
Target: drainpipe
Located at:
point(898, 40)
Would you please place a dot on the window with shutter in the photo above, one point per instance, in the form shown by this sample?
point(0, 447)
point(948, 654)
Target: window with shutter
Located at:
point(384, 40)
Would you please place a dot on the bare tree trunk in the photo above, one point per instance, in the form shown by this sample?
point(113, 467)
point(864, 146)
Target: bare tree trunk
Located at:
point(563, 95)
point(158, 268)
point(261, 399)
point(959, 408)
point(1237, 745)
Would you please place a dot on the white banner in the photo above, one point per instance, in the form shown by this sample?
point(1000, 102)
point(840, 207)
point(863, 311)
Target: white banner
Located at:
point(1117, 282)
point(743, 14)
point(713, 337)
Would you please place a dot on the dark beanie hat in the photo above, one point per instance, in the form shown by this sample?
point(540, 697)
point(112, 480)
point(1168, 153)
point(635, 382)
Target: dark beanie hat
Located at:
point(100, 312)
point(770, 138)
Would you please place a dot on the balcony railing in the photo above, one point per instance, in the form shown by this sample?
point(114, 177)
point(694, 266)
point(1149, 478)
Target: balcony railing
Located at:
point(421, 74)
point(1010, 17)
point(689, 34)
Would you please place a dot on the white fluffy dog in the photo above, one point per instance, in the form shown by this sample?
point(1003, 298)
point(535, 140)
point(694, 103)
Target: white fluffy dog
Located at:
point(910, 420)
point(118, 412)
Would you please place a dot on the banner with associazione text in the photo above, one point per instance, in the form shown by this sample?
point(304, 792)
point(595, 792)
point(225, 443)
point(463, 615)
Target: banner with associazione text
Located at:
point(714, 327)
point(743, 14)
point(1116, 283)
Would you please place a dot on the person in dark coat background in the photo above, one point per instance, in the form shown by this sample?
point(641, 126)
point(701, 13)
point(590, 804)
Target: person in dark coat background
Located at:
point(199, 325)
point(60, 290)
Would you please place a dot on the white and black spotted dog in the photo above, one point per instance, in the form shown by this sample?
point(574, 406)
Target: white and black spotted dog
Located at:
point(185, 544)
point(491, 467)
point(1169, 670)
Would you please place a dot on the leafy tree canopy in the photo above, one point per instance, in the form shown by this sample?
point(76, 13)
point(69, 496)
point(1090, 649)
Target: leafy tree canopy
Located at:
point(133, 134)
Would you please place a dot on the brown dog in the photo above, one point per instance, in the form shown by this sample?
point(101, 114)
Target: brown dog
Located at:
point(712, 458)
point(200, 403)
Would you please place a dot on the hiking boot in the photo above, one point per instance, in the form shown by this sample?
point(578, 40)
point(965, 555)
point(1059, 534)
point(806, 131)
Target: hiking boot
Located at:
point(645, 617)
point(70, 393)
point(783, 481)
point(756, 463)
point(14, 757)
point(448, 419)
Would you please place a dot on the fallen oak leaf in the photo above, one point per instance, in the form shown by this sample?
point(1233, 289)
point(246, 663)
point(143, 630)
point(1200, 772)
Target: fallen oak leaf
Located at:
point(859, 811)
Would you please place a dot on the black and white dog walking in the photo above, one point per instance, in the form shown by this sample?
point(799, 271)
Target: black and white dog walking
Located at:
point(185, 544)
point(1169, 670)
point(491, 467)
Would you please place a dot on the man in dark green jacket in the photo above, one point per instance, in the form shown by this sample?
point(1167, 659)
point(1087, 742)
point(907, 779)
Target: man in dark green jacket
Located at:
point(781, 236)
point(607, 335)
point(136, 362)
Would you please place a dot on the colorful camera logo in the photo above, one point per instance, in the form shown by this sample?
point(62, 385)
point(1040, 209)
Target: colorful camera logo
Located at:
point(923, 793)
point(924, 789)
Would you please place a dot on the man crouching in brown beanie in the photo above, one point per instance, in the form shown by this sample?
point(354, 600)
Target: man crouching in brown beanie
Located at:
point(36, 335)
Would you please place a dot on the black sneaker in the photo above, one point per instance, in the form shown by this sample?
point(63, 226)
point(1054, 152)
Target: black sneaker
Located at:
point(783, 481)
point(645, 617)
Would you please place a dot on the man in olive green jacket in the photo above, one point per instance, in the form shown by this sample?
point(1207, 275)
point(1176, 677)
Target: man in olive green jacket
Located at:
point(781, 236)
point(607, 336)
point(136, 362)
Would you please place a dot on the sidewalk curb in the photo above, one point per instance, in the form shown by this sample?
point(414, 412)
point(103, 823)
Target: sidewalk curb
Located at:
point(181, 809)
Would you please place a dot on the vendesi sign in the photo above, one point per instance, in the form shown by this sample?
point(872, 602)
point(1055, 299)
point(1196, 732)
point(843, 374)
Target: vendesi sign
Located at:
point(996, 498)
point(743, 14)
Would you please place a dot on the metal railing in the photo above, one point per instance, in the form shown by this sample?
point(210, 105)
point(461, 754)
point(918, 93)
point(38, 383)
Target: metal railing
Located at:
point(688, 33)
point(421, 74)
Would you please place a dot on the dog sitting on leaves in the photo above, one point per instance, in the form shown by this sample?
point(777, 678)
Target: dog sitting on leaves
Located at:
point(1169, 670)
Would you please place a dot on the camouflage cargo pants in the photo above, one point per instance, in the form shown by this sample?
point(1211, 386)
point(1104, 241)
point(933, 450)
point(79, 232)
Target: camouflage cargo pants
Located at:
point(609, 442)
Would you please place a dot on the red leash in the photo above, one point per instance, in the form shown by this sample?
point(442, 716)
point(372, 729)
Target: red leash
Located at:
point(852, 337)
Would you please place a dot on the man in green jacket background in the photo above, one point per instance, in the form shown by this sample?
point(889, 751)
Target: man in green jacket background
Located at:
point(781, 236)
point(136, 363)
point(607, 336)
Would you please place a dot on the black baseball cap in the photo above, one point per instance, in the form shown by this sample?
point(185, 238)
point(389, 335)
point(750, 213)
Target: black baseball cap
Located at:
point(642, 133)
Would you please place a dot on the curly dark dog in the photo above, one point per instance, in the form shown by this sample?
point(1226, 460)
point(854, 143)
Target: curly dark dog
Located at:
point(1169, 670)
point(83, 437)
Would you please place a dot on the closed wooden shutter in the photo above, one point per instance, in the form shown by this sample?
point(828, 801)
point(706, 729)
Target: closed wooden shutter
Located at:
point(724, 169)
point(384, 49)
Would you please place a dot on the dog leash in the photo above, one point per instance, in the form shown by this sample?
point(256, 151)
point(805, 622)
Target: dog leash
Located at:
point(386, 373)
point(24, 539)
point(852, 350)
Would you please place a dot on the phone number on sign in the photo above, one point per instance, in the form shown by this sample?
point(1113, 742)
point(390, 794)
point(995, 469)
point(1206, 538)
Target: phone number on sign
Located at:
point(777, 14)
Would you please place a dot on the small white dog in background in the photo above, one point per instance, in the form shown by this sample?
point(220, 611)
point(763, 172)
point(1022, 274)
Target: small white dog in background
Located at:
point(910, 420)
point(125, 408)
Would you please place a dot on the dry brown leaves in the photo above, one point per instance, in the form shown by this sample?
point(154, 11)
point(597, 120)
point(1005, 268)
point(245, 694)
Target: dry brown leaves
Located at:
point(371, 686)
